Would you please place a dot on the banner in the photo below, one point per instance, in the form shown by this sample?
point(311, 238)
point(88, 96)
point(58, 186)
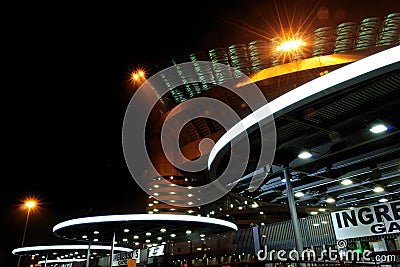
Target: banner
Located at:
point(366, 221)
point(156, 251)
point(122, 258)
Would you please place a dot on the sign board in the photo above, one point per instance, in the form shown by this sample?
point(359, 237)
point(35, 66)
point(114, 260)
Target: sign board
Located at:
point(156, 251)
point(378, 219)
point(122, 258)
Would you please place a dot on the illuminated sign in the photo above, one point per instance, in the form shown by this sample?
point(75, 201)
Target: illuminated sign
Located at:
point(366, 221)
point(122, 258)
point(156, 251)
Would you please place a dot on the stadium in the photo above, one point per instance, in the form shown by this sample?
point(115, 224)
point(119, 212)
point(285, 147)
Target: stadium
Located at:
point(328, 112)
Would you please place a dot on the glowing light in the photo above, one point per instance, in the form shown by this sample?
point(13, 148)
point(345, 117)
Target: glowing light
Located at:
point(66, 247)
point(330, 200)
point(378, 189)
point(30, 204)
point(291, 45)
point(299, 194)
point(379, 128)
point(60, 261)
point(346, 182)
point(135, 76)
point(144, 217)
point(305, 155)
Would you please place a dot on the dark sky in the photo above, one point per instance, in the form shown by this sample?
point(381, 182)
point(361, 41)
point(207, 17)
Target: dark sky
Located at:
point(64, 92)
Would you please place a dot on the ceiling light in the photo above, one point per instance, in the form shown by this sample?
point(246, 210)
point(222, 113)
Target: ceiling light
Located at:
point(304, 155)
point(382, 200)
point(299, 194)
point(378, 189)
point(330, 200)
point(314, 212)
point(254, 205)
point(378, 128)
point(346, 182)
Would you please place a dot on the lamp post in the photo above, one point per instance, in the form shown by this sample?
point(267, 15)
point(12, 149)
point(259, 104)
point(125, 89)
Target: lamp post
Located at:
point(29, 204)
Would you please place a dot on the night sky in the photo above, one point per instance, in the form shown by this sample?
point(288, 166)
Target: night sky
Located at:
point(65, 90)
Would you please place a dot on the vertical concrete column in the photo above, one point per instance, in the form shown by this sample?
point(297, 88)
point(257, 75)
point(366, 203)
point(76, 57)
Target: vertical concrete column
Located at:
point(293, 211)
point(88, 254)
point(112, 250)
point(256, 239)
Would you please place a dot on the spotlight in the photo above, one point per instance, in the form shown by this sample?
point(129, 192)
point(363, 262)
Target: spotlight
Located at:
point(299, 194)
point(330, 200)
point(378, 189)
point(346, 182)
point(378, 128)
point(304, 154)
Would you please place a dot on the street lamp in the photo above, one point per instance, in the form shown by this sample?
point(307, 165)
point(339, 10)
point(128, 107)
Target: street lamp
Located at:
point(137, 76)
point(29, 204)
